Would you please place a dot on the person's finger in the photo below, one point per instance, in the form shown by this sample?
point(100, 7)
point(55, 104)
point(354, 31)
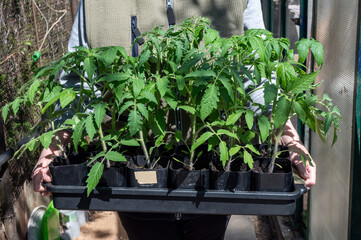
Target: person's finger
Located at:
point(46, 175)
point(301, 169)
point(39, 176)
point(312, 176)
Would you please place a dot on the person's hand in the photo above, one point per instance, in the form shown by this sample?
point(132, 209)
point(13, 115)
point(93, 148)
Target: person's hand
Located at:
point(41, 172)
point(308, 172)
point(291, 139)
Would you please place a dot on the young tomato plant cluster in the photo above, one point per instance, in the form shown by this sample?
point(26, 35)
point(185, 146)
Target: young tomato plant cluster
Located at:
point(187, 68)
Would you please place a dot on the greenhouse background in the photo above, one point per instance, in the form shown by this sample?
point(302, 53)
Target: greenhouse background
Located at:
point(332, 206)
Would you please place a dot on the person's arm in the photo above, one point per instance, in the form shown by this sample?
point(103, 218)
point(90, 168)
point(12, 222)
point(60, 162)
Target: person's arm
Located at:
point(41, 171)
point(291, 139)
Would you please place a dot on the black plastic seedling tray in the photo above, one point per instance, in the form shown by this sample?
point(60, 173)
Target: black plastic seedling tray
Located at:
point(163, 200)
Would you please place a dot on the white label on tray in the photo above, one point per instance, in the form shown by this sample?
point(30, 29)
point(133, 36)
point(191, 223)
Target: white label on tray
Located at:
point(146, 177)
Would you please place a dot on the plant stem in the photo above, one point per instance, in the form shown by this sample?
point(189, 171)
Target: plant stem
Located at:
point(278, 137)
point(193, 141)
point(231, 144)
point(80, 94)
point(274, 155)
point(142, 143)
point(104, 146)
point(58, 143)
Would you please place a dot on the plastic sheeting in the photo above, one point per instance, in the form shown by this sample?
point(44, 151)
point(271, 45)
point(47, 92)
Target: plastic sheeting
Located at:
point(336, 28)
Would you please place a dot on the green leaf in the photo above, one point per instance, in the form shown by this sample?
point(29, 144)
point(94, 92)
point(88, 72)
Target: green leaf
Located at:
point(224, 152)
point(310, 100)
point(90, 67)
point(264, 127)
point(201, 73)
point(115, 77)
point(252, 148)
point(317, 50)
point(234, 150)
point(336, 111)
point(115, 156)
point(180, 82)
point(32, 90)
point(130, 142)
point(144, 56)
point(46, 139)
point(143, 110)
point(247, 158)
point(227, 44)
point(209, 100)
point(122, 52)
point(134, 122)
point(228, 133)
point(234, 117)
point(94, 176)
point(247, 136)
point(16, 105)
point(236, 76)
point(189, 64)
point(178, 135)
point(335, 136)
point(157, 122)
point(226, 83)
point(51, 102)
point(326, 97)
point(171, 101)
point(212, 142)
point(89, 127)
point(328, 122)
point(276, 47)
point(281, 112)
point(66, 97)
point(303, 49)
point(149, 96)
point(77, 134)
point(109, 55)
point(204, 137)
point(99, 113)
point(319, 130)
point(33, 145)
point(249, 118)
point(258, 45)
point(162, 85)
point(125, 106)
point(189, 109)
point(270, 93)
point(5, 111)
point(297, 107)
point(302, 84)
point(138, 85)
point(285, 74)
point(49, 94)
point(159, 140)
point(210, 36)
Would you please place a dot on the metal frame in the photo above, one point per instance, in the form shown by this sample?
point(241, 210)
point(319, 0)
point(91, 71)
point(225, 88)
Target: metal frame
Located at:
point(355, 208)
